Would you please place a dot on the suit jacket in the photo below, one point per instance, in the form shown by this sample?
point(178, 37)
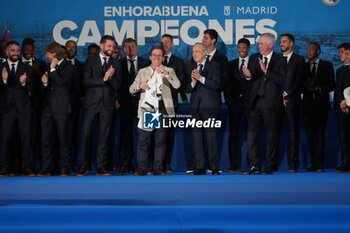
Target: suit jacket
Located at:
point(58, 92)
point(237, 85)
point(78, 86)
point(126, 99)
point(96, 90)
point(222, 60)
point(325, 80)
point(13, 94)
point(178, 65)
point(205, 95)
point(274, 81)
point(39, 68)
point(143, 76)
point(342, 82)
point(293, 83)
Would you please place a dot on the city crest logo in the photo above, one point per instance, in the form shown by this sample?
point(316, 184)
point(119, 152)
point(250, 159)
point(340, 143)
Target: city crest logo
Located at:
point(330, 2)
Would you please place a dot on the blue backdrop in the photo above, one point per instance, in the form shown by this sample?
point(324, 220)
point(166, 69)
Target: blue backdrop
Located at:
point(325, 21)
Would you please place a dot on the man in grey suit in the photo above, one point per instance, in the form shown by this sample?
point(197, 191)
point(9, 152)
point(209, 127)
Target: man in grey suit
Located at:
point(166, 78)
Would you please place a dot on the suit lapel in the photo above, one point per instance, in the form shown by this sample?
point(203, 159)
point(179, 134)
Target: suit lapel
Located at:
point(98, 64)
point(291, 60)
point(171, 60)
point(272, 62)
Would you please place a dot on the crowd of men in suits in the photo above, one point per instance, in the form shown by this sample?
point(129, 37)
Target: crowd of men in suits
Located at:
point(41, 105)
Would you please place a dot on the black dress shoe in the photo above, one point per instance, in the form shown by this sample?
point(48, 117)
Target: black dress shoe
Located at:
point(342, 168)
point(131, 169)
point(102, 172)
point(64, 172)
point(167, 168)
point(44, 172)
point(123, 170)
point(251, 171)
point(191, 168)
point(82, 171)
point(28, 172)
point(158, 172)
point(215, 172)
point(292, 168)
point(198, 172)
point(141, 173)
point(232, 169)
point(4, 172)
point(315, 169)
point(268, 172)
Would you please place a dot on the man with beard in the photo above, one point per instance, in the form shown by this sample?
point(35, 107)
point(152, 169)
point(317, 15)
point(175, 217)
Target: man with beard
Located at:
point(102, 78)
point(77, 94)
point(15, 109)
point(292, 96)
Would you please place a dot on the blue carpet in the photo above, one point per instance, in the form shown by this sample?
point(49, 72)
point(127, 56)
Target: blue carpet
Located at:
point(283, 202)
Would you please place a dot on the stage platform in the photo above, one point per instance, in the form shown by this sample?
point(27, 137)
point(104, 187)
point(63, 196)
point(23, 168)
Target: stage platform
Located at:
point(282, 202)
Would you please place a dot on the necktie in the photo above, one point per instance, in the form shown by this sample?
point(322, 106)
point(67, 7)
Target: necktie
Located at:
point(261, 91)
point(104, 65)
point(132, 68)
point(200, 66)
point(165, 62)
point(313, 69)
point(265, 62)
point(242, 64)
point(208, 57)
point(285, 57)
point(12, 71)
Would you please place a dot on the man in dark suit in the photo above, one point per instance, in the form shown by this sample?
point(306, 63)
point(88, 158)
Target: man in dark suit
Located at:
point(77, 95)
point(102, 78)
point(210, 38)
point(39, 68)
point(131, 64)
point(237, 99)
point(267, 74)
point(341, 106)
point(204, 87)
point(15, 109)
point(292, 96)
point(177, 64)
point(57, 86)
point(318, 82)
